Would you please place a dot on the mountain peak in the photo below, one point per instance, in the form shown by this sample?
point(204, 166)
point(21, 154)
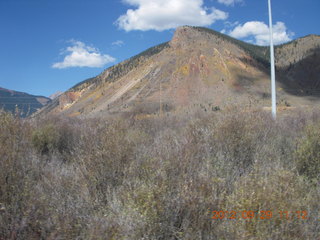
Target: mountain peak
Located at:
point(181, 36)
point(186, 35)
point(55, 95)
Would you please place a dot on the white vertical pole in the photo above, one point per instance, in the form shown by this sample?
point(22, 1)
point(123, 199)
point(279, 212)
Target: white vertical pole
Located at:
point(273, 75)
point(160, 110)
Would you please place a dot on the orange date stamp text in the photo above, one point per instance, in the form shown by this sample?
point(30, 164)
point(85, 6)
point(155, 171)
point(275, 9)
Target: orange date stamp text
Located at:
point(263, 215)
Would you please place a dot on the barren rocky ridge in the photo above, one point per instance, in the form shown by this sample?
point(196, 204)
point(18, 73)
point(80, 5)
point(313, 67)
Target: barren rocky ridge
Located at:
point(198, 69)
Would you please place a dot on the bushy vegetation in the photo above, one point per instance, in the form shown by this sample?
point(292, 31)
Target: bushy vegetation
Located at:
point(308, 152)
point(159, 178)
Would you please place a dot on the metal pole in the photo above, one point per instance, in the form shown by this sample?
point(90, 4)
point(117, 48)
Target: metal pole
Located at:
point(160, 110)
point(273, 75)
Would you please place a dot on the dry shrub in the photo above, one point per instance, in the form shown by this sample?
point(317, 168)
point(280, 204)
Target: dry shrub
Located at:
point(308, 152)
point(14, 179)
point(157, 178)
point(47, 140)
point(272, 190)
point(55, 136)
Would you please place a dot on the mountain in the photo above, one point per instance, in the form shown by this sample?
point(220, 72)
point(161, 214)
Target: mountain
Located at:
point(298, 63)
point(26, 104)
point(198, 69)
point(55, 95)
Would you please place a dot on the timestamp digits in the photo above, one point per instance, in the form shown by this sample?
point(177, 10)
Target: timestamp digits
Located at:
point(263, 215)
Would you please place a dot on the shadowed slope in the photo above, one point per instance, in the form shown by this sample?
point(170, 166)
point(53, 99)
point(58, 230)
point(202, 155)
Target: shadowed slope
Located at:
point(25, 103)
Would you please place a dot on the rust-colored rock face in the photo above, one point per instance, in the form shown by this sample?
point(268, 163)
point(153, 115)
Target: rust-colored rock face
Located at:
point(68, 98)
point(197, 69)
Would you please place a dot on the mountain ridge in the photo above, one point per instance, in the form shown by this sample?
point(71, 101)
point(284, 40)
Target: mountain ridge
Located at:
point(26, 104)
point(199, 66)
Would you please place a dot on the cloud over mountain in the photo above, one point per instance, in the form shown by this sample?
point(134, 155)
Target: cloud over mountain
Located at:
point(258, 32)
point(81, 55)
point(118, 43)
point(161, 15)
point(230, 2)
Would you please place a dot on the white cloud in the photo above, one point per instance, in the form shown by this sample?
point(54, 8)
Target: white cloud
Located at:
point(161, 15)
point(230, 2)
point(259, 31)
point(231, 24)
point(80, 55)
point(118, 43)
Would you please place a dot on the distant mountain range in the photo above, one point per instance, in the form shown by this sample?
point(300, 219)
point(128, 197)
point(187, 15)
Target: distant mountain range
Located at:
point(23, 103)
point(198, 69)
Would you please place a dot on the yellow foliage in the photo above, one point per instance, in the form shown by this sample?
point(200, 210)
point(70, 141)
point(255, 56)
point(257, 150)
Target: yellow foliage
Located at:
point(185, 70)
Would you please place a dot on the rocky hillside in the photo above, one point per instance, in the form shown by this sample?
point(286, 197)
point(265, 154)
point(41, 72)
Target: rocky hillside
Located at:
point(55, 95)
point(298, 63)
point(198, 69)
point(24, 103)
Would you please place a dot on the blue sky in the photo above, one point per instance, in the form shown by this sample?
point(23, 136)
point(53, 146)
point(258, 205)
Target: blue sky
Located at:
point(49, 45)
